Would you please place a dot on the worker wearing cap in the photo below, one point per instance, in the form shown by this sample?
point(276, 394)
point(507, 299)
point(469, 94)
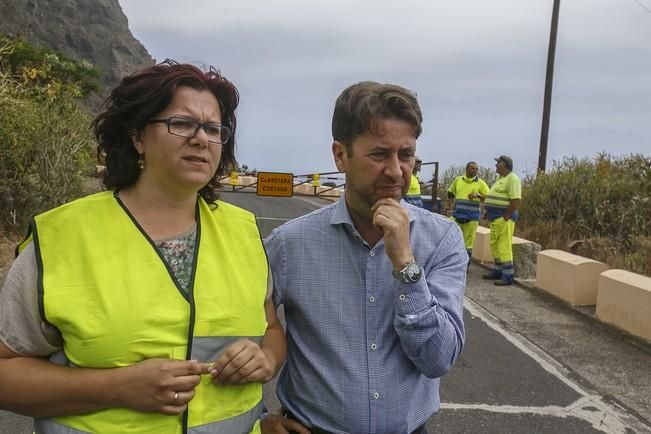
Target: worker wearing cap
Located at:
point(413, 194)
point(501, 206)
point(465, 192)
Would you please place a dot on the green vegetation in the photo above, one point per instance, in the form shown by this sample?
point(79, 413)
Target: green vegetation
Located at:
point(45, 74)
point(598, 208)
point(46, 146)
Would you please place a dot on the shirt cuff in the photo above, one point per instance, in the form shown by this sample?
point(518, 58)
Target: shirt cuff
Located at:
point(413, 298)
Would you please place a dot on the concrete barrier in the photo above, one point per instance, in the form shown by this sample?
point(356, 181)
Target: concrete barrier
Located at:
point(304, 189)
point(248, 180)
point(481, 249)
point(330, 193)
point(624, 300)
point(525, 257)
point(524, 253)
point(569, 277)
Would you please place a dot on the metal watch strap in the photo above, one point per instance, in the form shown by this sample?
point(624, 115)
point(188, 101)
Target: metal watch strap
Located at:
point(410, 273)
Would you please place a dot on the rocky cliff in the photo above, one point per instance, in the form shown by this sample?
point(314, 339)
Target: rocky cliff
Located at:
point(93, 30)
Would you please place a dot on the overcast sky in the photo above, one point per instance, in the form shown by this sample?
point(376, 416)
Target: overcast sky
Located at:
point(477, 66)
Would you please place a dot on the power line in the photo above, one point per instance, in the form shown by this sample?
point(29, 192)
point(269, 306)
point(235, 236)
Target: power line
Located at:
point(642, 6)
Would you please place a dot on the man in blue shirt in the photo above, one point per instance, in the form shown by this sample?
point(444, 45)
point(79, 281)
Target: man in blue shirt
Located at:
point(372, 287)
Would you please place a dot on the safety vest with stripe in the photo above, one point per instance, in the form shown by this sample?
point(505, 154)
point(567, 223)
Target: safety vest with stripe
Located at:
point(465, 208)
point(505, 189)
point(109, 292)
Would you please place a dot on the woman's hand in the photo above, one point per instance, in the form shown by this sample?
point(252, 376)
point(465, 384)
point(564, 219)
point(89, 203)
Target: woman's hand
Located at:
point(158, 385)
point(243, 362)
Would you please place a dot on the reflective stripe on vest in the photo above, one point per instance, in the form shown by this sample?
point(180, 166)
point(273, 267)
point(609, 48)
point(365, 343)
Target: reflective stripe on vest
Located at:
point(461, 188)
point(114, 312)
point(466, 209)
point(242, 423)
point(498, 199)
point(50, 426)
point(203, 348)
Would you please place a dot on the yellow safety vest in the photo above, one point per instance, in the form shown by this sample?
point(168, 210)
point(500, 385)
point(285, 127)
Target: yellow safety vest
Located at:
point(414, 186)
point(106, 288)
point(502, 192)
point(465, 208)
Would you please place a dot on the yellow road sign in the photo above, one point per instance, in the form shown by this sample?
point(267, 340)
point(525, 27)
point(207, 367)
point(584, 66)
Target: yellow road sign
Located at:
point(275, 184)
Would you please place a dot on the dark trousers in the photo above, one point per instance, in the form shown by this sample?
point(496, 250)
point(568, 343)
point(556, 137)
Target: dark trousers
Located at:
point(314, 430)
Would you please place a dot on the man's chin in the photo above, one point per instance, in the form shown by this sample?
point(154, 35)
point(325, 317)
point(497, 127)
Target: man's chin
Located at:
point(394, 196)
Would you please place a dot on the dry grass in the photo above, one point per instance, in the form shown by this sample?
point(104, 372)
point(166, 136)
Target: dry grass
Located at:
point(597, 208)
point(566, 237)
point(8, 244)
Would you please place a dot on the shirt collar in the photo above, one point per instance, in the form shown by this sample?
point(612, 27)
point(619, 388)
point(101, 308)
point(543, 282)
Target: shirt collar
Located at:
point(340, 214)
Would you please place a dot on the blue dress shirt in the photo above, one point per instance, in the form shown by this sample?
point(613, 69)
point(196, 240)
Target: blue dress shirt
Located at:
point(365, 352)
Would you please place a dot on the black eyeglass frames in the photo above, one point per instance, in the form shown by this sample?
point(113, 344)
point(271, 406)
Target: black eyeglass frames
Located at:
point(188, 128)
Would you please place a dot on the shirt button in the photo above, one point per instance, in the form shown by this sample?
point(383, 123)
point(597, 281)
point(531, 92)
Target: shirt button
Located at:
point(371, 299)
point(376, 395)
point(372, 253)
point(373, 347)
point(402, 297)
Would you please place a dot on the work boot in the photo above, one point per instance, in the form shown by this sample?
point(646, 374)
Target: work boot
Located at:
point(502, 283)
point(491, 276)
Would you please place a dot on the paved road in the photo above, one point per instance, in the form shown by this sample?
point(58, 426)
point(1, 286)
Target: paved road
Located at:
point(530, 364)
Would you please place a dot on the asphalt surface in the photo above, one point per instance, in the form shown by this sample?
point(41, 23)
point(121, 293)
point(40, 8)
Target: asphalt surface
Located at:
point(530, 365)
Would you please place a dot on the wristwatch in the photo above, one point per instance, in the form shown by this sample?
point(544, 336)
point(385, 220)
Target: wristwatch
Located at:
point(410, 273)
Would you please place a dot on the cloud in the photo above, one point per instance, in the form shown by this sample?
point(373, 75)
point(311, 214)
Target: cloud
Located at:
point(478, 68)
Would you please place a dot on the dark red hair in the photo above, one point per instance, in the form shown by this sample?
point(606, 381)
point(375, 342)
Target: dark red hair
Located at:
point(139, 98)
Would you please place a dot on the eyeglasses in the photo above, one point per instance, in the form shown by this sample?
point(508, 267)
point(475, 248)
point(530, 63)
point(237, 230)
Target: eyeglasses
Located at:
point(188, 128)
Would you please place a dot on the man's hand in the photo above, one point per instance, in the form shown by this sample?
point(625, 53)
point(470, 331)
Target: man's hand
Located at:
point(158, 385)
point(243, 362)
point(393, 220)
point(277, 424)
point(514, 204)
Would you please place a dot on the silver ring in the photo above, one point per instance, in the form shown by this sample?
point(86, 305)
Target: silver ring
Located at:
point(176, 396)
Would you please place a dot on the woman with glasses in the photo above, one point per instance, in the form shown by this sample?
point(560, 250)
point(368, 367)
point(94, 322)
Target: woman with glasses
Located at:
point(145, 308)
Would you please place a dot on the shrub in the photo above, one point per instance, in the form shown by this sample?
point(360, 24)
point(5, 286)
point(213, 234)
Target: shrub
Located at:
point(45, 143)
point(600, 207)
point(44, 73)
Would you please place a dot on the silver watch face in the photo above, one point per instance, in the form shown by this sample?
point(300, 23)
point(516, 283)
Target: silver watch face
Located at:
point(412, 273)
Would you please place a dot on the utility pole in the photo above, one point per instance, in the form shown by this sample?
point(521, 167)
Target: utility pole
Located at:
point(549, 78)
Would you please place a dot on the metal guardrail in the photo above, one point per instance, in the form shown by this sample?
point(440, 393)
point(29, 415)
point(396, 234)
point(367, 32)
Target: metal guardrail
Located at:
point(318, 189)
point(232, 181)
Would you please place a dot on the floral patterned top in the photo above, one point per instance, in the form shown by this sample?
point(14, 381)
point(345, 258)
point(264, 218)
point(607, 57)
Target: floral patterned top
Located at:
point(178, 252)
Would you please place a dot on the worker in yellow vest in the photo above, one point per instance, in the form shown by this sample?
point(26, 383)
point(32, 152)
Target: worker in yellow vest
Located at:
point(413, 194)
point(502, 203)
point(145, 308)
point(465, 193)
